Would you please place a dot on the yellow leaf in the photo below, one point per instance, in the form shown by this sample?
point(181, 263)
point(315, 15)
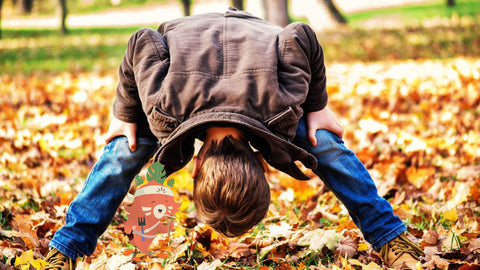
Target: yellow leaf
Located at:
point(179, 231)
point(451, 215)
point(362, 247)
point(420, 176)
point(39, 264)
point(25, 258)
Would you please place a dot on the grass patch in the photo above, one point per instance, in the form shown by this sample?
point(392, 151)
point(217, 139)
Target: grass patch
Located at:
point(415, 14)
point(101, 49)
point(86, 49)
point(49, 7)
point(442, 42)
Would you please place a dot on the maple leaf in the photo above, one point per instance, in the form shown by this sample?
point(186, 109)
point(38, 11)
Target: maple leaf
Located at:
point(278, 231)
point(25, 229)
point(26, 260)
point(319, 238)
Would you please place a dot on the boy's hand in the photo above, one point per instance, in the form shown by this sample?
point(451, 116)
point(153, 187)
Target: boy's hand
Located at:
point(324, 119)
point(119, 128)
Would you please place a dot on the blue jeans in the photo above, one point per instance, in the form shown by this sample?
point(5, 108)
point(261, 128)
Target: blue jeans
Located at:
point(92, 210)
point(344, 174)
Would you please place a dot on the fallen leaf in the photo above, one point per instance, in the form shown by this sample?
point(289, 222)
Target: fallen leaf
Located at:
point(238, 250)
point(436, 263)
point(430, 237)
point(347, 247)
point(210, 265)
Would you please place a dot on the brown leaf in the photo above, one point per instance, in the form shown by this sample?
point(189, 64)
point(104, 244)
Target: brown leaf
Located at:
point(25, 230)
point(283, 266)
point(261, 242)
point(436, 263)
point(204, 237)
point(238, 250)
point(430, 251)
point(474, 245)
point(430, 237)
point(347, 247)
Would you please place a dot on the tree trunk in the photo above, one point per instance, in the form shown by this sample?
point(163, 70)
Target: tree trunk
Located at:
point(332, 8)
point(1, 2)
point(63, 16)
point(450, 3)
point(26, 6)
point(187, 7)
point(238, 4)
point(277, 12)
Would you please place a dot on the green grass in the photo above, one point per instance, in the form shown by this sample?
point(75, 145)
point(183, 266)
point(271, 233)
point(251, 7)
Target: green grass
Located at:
point(49, 7)
point(46, 50)
point(415, 14)
point(101, 49)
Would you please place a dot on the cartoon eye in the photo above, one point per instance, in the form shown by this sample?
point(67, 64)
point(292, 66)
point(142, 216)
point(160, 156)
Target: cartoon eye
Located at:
point(159, 210)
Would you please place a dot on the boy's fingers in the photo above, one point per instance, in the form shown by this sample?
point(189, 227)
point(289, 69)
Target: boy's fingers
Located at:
point(311, 136)
point(338, 130)
point(120, 128)
point(132, 139)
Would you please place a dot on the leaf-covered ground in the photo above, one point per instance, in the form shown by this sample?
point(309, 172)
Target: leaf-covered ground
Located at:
point(414, 124)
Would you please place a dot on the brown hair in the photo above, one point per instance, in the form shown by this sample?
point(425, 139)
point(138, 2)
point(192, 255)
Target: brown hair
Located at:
point(230, 192)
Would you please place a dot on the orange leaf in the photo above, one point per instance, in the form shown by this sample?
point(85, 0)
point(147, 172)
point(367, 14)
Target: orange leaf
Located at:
point(127, 252)
point(25, 230)
point(420, 176)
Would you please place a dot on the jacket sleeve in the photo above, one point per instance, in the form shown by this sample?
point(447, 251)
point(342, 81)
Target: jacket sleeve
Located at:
point(141, 72)
point(127, 105)
point(302, 65)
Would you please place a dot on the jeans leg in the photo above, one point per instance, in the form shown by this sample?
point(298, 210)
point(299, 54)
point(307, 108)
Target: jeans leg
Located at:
point(344, 174)
point(92, 210)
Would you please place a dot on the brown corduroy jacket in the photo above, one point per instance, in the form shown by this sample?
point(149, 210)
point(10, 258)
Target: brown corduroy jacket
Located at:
point(230, 69)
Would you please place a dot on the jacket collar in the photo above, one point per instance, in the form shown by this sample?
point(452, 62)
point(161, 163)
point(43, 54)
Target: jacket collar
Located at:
point(178, 148)
point(234, 12)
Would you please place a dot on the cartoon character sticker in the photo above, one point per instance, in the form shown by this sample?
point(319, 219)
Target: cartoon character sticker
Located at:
point(153, 208)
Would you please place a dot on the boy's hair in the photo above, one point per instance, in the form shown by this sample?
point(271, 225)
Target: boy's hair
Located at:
point(231, 193)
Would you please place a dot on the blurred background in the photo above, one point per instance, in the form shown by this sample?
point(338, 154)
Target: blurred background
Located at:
point(56, 35)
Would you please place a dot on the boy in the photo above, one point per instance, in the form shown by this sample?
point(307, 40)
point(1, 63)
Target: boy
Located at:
point(231, 80)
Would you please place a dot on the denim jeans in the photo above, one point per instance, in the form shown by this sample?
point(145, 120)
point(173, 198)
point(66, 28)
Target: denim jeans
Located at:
point(344, 174)
point(92, 210)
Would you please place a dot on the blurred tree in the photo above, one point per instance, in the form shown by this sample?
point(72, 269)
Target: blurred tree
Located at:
point(1, 2)
point(187, 7)
point(450, 3)
point(276, 12)
point(63, 16)
point(333, 10)
point(26, 6)
point(238, 4)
